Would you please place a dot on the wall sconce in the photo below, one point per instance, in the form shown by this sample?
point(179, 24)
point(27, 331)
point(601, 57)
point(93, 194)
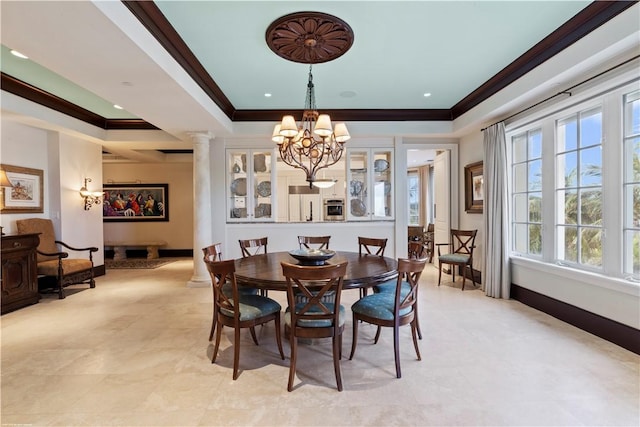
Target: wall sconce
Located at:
point(90, 197)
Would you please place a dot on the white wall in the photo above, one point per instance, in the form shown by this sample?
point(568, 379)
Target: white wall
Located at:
point(471, 152)
point(24, 146)
point(178, 231)
point(65, 162)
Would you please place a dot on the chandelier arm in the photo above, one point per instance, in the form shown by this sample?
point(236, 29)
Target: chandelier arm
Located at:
point(292, 159)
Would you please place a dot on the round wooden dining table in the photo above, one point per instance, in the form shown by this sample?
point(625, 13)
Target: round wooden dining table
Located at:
point(264, 271)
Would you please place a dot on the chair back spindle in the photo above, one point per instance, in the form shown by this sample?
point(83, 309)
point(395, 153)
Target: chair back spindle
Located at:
point(314, 242)
point(251, 247)
point(371, 246)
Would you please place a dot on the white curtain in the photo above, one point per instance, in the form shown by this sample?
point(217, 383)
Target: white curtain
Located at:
point(496, 272)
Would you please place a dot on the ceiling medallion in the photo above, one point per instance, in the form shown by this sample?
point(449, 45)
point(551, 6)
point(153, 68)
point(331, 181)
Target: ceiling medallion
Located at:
point(309, 37)
point(313, 144)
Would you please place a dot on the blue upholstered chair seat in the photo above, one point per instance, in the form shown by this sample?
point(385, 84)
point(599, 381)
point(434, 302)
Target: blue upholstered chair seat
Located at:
point(253, 307)
point(390, 286)
point(458, 258)
point(379, 306)
point(242, 290)
point(322, 323)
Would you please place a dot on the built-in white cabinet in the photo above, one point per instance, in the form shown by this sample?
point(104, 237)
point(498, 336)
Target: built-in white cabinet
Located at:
point(250, 193)
point(370, 184)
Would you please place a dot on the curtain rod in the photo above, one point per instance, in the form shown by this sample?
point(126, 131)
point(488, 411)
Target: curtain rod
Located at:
point(564, 92)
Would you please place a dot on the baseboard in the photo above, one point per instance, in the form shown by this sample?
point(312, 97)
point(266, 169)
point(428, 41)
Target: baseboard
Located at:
point(176, 253)
point(610, 330)
point(477, 275)
point(99, 270)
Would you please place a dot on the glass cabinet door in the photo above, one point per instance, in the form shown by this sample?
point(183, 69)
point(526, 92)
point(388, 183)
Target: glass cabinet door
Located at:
point(382, 185)
point(262, 185)
point(357, 185)
point(249, 189)
point(370, 184)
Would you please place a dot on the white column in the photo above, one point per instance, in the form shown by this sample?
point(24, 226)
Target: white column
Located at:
point(201, 207)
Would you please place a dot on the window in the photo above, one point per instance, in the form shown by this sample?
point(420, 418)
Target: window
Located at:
point(579, 188)
point(413, 181)
point(631, 185)
point(526, 170)
point(575, 183)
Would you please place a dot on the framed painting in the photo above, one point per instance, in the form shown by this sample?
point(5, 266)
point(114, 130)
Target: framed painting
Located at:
point(474, 188)
point(27, 192)
point(135, 202)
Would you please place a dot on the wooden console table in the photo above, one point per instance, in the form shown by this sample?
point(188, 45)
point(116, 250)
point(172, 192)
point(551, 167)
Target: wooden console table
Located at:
point(19, 271)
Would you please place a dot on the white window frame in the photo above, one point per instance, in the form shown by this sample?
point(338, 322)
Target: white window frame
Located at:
point(628, 181)
point(526, 192)
point(578, 113)
point(609, 95)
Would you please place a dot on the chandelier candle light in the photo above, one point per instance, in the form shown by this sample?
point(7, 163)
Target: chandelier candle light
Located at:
point(314, 144)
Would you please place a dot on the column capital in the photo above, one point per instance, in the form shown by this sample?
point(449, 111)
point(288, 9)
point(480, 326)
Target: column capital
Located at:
point(201, 136)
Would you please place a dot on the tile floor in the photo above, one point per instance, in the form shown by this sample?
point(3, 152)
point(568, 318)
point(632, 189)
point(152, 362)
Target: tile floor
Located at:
point(134, 352)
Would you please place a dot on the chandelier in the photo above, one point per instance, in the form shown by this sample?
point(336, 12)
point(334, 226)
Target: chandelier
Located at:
point(313, 144)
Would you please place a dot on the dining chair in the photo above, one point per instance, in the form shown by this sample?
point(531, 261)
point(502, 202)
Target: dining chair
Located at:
point(251, 247)
point(370, 246)
point(213, 253)
point(386, 309)
point(417, 250)
point(461, 246)
point(415, 233)
point(428, 240)
point(315, 316)
point(239, 311)
point(314, 242)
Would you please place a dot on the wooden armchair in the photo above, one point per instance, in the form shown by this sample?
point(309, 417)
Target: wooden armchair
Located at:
point(59, 270)
point(460, 254)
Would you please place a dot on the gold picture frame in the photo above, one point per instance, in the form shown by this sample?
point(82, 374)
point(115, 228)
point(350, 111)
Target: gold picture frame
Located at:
point(474, 187)
point(27, 193)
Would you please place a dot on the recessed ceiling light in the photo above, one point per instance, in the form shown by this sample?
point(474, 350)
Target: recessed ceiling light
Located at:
point(19, 55)
point(427, 94)
point(117, 107)
point(267, 95)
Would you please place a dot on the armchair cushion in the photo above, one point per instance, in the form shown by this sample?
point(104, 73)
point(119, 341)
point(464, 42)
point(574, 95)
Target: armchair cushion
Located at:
point(253, 307)
point(69, 266)
point(454, 258)
point(321, 323)
point(378, 306)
